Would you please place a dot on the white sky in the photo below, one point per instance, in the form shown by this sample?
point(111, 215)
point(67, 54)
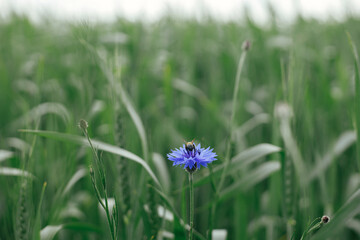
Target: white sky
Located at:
point(107, 10)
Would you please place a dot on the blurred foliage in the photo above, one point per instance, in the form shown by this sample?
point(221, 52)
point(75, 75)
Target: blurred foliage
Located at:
point(179, 76)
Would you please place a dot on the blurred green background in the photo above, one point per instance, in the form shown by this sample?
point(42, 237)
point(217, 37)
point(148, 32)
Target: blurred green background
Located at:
point(179, 76)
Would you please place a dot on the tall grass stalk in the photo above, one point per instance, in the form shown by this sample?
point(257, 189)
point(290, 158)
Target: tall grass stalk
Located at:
point(22, 220)
point(232, 127)
point(111, 218)
point(123, 172)
point(232, 124)
point(357, 95)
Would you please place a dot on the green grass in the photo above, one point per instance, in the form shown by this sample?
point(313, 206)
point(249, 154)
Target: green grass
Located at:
point(144, 88)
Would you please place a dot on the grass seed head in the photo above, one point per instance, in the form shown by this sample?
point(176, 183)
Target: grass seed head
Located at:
point(325, 219)
point(83, 125)
point(246, 45)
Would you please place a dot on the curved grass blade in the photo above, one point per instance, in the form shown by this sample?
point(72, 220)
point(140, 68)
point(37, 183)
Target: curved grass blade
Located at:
point(250, 179)
point(41, 110)
point(123, 96)
point(136, 119)
point(4, 154)
point(18, 144)
point(354, 224)
point(75, 178)
point(257, 120)
point(191, 90)
point(349, 210)
point(99, 145)
point(344, 142)
point(239, 161)
point(50, 231)
point(357, 96)
point(7, 171)
point(37, 223)
point(162, 170)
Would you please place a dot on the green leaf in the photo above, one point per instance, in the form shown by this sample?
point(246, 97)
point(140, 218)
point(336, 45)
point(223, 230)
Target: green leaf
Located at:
point(50, 231)
point(37, 223)
point(162, 170)
point(357, 96)
point(41, 110)
point(190, 90)
point(4, 154)
point(349, 210)
point(7, 171)
point(346, 139)
point(75, 178)
point(257, 120)
point(97, 144)
point(136, 119)
point(250, 179)
point(239, 161)
point(219, 234)
point(119, 90)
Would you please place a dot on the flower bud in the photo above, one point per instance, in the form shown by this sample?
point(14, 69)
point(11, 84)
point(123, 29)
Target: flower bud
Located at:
point(83, 125)
point(246, 45)
point(325, 219)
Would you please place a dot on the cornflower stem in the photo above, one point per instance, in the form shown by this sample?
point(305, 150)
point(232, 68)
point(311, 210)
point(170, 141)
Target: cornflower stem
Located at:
point(191, 206)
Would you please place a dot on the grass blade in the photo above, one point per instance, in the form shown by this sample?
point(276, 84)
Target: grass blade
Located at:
point(7, 171)
point(37, 224)
point(49, 232)
point(75, 178)
point(4, 154)
point(349, 210)
point(344, 142)
point(251, 179)
point(137, 121)
point(41, 110)
point(357, 96)
point(239, 161)
point(99, 145)
point(191, 90)
point(162, 170)
point(123, 96)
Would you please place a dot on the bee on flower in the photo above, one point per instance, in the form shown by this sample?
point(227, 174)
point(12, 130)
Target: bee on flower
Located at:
point(192, 156)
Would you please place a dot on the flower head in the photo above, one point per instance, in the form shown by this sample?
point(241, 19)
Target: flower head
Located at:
point(192, 157)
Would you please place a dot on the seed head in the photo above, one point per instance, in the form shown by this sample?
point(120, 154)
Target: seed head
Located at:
point(325, 219)
point(83, 125)
point(283, 111)
point(246, 45)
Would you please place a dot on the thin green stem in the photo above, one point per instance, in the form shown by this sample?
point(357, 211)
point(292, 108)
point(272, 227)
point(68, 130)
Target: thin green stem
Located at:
point(102, 176)
point(228, 146)
point(232, 119)
point(111, 224)
point(191, 206)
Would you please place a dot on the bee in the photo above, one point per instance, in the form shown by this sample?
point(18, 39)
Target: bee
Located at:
point(189, 146)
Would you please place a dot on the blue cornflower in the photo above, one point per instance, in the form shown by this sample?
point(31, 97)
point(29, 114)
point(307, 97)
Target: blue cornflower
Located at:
point(192, 156)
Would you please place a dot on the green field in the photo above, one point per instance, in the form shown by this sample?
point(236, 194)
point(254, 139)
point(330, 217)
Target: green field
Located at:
point(287, 139)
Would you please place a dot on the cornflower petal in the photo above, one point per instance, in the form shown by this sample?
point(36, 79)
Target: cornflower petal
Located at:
point(192, 159)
